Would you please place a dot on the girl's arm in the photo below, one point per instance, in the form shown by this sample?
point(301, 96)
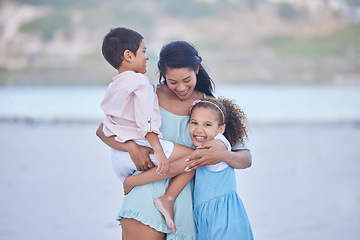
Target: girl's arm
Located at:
point(138, 154)
point(214, 152)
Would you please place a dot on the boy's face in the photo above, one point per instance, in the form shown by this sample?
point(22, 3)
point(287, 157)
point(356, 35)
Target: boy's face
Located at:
point(204, 125)
point(139, 62)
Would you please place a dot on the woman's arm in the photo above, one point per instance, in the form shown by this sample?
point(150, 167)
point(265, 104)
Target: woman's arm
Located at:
point(139, 154)
point(214, 152)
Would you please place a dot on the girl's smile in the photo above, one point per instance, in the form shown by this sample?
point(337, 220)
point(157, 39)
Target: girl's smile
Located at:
point(200, 138)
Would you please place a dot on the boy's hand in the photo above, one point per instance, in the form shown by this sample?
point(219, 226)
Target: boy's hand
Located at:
point(163, 163)
point(161, 159)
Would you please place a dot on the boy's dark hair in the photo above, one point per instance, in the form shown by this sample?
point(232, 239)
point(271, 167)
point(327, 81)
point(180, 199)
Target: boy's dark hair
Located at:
point(235, 118)
point(117, 41)
point(181, 54)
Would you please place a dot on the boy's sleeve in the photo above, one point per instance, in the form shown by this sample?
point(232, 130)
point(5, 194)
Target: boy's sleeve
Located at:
point(146, 107)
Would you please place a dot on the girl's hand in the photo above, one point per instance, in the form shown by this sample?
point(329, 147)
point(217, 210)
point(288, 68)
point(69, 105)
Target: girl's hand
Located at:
point(140, 156)
point(212, 152)
point(163, 163)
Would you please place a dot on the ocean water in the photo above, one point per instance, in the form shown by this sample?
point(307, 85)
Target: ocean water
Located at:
point(57, 180)
point(263, 104)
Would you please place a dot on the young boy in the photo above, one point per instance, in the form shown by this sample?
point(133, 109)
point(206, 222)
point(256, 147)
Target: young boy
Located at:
point(130, 104)
point(132, 111)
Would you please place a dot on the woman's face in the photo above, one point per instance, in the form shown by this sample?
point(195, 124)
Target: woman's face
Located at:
point(181, 81)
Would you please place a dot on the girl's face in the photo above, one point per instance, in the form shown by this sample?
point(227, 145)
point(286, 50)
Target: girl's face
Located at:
point(181, 81)
point(204, 125)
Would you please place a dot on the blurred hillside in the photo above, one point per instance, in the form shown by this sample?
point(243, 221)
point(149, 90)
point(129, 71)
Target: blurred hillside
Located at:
point(241, 41)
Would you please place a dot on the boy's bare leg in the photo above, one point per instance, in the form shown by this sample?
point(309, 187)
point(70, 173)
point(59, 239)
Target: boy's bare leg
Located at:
point(149, 176)
point(177, 166)
point(165, 203)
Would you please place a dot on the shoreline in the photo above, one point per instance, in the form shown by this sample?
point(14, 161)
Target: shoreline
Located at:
point(262, 104)
point(33, 121)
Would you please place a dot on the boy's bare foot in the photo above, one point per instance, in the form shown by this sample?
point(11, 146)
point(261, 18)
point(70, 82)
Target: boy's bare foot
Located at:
point(165, 205)
point(127, 186)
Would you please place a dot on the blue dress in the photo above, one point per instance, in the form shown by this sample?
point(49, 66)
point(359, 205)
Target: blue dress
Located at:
point(218, 210)
point(139, 203)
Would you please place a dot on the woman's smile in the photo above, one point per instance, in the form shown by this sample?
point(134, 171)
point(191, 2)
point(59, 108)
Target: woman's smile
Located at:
point(183, 93)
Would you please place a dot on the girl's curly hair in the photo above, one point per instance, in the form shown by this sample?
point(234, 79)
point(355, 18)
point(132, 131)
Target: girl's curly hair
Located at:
point(235, 119)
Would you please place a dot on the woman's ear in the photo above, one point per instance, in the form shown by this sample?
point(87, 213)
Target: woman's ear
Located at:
point(197, 70)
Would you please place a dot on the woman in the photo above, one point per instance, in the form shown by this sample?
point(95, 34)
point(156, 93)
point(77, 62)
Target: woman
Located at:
point(182, 81)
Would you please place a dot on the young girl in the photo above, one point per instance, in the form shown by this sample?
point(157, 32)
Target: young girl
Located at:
point(218, 210)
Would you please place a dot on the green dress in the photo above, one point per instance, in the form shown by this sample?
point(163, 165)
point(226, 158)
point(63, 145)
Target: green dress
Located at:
point(139, 203)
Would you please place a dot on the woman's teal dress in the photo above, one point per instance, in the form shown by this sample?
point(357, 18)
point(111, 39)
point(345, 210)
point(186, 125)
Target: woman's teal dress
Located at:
point(139, 203)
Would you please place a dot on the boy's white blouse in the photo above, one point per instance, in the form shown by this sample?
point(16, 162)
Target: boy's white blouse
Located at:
point(131, 107)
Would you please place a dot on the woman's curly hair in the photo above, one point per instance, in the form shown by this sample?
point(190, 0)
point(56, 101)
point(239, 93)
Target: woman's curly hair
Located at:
point(235, 118)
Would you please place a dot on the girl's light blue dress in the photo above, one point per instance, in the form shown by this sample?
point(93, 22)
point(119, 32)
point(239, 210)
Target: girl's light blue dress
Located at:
point(218, 210)
point(139, 203)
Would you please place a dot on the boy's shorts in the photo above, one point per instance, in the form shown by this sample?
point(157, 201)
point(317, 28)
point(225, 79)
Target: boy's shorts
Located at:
point(123, 164)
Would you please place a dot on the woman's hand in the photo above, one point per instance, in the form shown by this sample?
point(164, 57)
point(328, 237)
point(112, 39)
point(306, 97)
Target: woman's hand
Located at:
point(140, 156)
point(213, 152)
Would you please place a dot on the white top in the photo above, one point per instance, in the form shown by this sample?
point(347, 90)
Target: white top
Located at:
point(220, 166)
